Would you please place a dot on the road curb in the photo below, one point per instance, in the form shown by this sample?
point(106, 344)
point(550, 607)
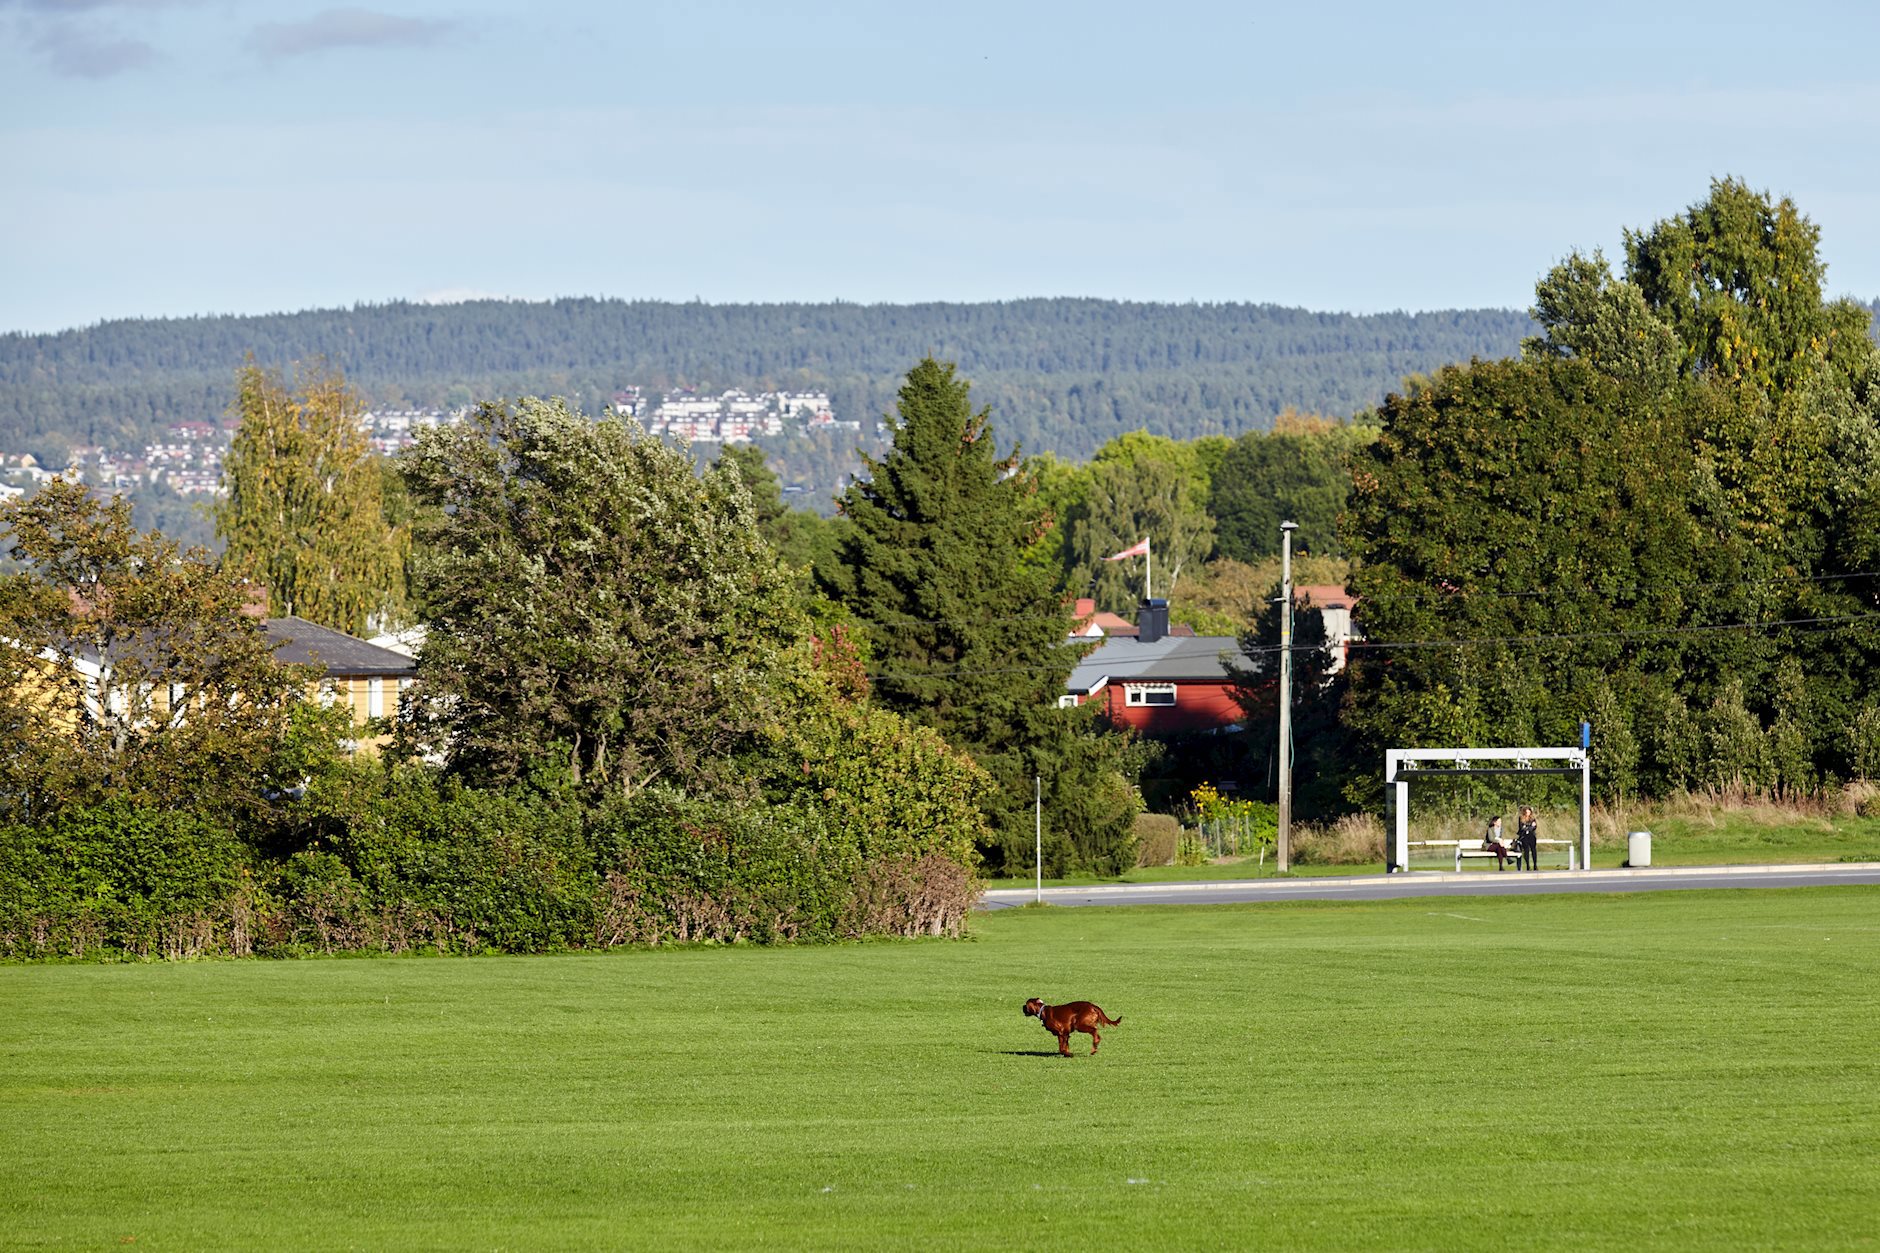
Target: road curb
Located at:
point(1019, 896)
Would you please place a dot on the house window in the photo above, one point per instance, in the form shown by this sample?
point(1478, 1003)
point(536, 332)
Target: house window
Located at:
point(1148, 693)
point(1067, 701)
point(375, 698)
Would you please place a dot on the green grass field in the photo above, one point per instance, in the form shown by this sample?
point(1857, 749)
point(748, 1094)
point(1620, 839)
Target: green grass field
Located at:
point(1688, 1069)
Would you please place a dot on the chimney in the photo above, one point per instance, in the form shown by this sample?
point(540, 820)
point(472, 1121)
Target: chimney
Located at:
point(1151, 620)
point(254, 600)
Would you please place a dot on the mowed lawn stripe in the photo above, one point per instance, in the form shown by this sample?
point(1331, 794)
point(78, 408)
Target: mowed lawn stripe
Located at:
point(1617, 1071)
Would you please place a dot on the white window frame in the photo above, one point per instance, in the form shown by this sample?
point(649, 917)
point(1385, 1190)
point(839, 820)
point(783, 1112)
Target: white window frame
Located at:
point(375, 698)
point(1140, 695)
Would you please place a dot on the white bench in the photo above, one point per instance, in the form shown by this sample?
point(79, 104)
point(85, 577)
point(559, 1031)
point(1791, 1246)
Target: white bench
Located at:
point(1471, 848)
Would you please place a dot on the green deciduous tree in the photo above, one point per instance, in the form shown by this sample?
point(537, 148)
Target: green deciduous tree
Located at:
point(1585, 312)
point(1123, 501)
point(802, 540)
point(1296, 473)
point(593, 604)
point(129, 671)
point(1720, 317)
point(1562, 529)
point(1739, 278)
point(305, 510)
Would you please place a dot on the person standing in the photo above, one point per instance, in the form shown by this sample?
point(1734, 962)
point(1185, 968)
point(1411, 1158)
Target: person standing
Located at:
point(1491, 840)
point(1527, 840)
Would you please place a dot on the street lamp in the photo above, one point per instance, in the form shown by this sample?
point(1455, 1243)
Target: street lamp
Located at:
point(1284, 850)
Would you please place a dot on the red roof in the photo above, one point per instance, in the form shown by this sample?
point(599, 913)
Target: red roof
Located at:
point(1324, 596)
point(1109, 623)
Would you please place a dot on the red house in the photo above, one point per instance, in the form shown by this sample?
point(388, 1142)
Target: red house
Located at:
point(1158, 683)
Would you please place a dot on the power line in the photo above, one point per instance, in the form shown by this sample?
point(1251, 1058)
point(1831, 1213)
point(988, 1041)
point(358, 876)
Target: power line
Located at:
point(1831, 621)
point(1455, 593)
point(1644, 633)
point(1452, 595)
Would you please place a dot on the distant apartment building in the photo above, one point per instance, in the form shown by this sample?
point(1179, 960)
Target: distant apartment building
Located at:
point(391, 431)
point(735, 416)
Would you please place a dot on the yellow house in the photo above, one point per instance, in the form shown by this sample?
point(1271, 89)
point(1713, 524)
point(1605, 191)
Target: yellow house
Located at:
point(367, 679)
point(363, 677)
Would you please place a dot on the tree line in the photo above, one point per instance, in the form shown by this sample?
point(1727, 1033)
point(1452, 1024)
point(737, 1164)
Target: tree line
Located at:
point(651, 703)
point(626, 725)
point(1064, 375)
point(1662, 518)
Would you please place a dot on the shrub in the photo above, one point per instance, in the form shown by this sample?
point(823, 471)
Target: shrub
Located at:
point(1156, 838)
point(679, 869)
point(395, 858)
point(1349, 841)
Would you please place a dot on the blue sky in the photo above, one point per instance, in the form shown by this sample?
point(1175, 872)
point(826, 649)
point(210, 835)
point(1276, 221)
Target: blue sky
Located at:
point(171, 157)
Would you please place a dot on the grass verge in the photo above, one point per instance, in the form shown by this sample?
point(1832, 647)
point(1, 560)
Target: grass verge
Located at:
point(1701, 830)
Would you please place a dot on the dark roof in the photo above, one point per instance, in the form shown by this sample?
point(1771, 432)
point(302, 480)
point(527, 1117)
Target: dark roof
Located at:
point(1171, 659)
point(298, 642)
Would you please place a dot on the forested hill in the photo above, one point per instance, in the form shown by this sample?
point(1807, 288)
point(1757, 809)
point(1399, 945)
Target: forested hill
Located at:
point(1060, 374)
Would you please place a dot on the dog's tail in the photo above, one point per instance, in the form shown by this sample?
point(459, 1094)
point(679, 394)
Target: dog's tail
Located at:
point(1109, 1021)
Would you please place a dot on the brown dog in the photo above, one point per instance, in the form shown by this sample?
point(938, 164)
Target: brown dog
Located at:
point(1062, 1020)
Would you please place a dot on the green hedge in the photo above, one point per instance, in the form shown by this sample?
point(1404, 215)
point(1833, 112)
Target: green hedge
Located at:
point(116, 878)
point(393, 861)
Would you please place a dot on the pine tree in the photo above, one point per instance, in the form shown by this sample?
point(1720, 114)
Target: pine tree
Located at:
point(966, 636)
point(305, 511)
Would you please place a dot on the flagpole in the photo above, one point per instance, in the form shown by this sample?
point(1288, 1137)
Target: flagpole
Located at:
point(1148, 570)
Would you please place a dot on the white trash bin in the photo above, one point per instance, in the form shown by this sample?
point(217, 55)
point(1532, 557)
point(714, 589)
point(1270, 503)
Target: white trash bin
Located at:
point(1638, 848)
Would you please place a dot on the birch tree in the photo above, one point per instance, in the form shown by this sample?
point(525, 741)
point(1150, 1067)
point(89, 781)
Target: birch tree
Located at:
point(304, 511)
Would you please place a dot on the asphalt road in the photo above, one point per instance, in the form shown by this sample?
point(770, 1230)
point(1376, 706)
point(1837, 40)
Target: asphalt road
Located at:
point(1444, 883)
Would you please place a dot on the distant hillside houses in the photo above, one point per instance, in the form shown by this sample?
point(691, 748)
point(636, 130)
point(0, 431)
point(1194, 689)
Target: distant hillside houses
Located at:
point(393, 430)
point(189, 460)
point(731, 417)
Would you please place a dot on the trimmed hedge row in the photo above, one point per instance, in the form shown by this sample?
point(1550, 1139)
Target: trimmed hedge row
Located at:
point(419, 863)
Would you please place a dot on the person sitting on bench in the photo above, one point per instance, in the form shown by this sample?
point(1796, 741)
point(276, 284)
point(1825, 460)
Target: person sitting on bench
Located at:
point(1491, 840)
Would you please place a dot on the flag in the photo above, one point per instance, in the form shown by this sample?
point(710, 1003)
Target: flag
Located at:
point(1139, 549)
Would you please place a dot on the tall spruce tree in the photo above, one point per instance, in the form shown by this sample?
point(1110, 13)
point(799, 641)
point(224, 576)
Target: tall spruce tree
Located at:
point(968, 637)
point(305, 512)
